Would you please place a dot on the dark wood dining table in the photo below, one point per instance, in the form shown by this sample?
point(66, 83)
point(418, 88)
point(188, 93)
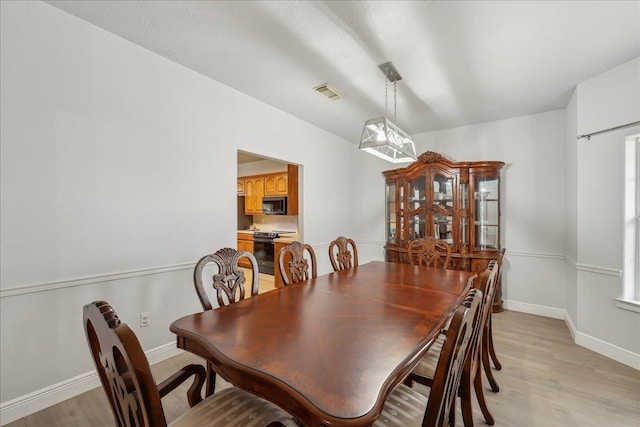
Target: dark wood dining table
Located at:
point(331, 349)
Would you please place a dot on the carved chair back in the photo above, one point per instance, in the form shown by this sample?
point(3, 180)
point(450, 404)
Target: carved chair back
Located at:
point(430, 252)
point(293, 265)
point(487, 287)
point(123, 368)
point(448, 373)
point(229, 282)
point(343, 253)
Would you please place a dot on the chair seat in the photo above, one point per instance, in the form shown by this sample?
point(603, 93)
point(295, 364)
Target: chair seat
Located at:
point(404, 407)
point(233, 407)
point(427, 366)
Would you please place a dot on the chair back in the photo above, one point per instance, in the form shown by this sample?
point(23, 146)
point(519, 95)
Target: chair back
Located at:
point(123, 368)
point(448, 373)
point(341, 256)
point(430, 252)
point(487, 286)
point(229, 281)
point(297, 268)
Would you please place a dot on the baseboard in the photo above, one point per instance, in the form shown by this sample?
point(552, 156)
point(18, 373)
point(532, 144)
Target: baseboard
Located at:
point(539, 310)
point(572, 328)
point(606, 349)
point(611, 351)
point(40, 399)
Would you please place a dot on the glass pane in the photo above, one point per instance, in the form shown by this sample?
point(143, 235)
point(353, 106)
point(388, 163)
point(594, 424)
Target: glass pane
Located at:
point(487, 236)
point(443, 190)
point(417, 196)
point(464, 202)
point(443, 227)
point(486, 213)
point(391, 213)
point(417, 224)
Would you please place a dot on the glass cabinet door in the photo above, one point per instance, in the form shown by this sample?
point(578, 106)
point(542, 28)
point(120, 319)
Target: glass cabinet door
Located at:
point(416, 209)
point(464, 223)
point(442, 209)
point(487, 213)
point(391, 214)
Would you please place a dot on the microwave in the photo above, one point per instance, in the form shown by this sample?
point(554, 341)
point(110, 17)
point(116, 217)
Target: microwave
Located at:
point(274, 205)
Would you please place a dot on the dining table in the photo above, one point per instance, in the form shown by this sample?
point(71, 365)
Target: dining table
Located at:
point(329, 350)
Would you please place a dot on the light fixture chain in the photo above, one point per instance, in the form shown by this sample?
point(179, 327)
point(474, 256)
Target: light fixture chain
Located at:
point(395, 102)
point(386, 96)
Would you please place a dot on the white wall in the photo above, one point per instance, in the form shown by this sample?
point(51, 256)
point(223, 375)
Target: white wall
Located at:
point(607, 100)
point(533, 193)
point(118, 173)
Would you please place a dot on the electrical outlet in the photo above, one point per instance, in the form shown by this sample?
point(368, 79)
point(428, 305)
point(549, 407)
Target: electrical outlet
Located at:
point(145, 318)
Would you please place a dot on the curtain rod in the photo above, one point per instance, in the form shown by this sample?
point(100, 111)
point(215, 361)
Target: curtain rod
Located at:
point(589, 135)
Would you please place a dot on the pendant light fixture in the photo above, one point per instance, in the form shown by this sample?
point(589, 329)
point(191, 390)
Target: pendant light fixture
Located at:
point(383, 138)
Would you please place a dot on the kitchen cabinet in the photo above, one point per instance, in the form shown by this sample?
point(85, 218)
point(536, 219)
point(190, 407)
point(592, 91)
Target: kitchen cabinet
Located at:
point(255, 187)
point(253, 191)
point(245, 243)
point(240, 187)
point(458, 202)
point(276, 184)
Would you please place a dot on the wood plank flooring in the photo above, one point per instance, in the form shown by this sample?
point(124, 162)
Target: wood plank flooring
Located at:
point(546, 381)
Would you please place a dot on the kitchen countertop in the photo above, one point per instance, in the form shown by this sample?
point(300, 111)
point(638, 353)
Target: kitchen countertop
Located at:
point(287, 238)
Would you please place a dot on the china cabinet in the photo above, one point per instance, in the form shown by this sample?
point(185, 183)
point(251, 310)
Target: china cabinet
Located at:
point(458, 202)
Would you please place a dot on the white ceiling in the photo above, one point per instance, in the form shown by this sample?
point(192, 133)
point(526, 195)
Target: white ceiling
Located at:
point(462, 62)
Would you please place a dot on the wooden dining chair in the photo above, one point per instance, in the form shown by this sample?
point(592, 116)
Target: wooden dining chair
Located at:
point(425, 371)
point(488, 350)
point(229, 286)
point(229, 281)
point(407, 407)
point(134, 395)
point(293, 265)
point(341, 256)
point(429, 252)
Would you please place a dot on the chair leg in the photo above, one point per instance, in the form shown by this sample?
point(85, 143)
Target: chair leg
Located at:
point(492, 350)
point(210, 386)
point(485, 361)
point(464, 391)
point(477, 382)
point(452, 414)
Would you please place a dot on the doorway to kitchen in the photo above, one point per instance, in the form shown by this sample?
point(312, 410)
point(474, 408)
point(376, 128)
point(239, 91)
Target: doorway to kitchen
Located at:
point(268, 209)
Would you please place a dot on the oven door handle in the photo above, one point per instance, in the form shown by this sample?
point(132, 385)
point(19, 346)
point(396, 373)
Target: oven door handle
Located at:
point(259, 240)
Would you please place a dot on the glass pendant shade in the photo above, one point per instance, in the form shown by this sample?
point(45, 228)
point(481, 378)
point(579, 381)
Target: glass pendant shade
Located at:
point(382, 138)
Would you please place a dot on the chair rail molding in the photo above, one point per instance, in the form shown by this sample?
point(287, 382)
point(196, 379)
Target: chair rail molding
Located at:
point(69, 283)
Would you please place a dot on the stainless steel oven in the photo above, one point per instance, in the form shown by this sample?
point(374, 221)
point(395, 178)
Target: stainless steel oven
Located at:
point(263, 250)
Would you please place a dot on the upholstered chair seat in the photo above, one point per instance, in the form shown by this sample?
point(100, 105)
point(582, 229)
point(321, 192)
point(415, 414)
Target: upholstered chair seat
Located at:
point(232, 407)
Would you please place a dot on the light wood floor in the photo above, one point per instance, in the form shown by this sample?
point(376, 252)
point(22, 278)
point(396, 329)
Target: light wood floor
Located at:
point(546, 381)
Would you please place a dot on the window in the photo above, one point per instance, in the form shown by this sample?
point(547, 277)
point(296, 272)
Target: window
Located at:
point(631, 266)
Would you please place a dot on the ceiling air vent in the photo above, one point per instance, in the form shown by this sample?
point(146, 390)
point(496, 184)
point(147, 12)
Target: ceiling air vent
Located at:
point(328, 91)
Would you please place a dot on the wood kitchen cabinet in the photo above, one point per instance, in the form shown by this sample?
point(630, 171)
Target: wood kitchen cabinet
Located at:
point(276, 184)
point(245, 243)
point(253, 191)
point(255, 187)
point(458, 202)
